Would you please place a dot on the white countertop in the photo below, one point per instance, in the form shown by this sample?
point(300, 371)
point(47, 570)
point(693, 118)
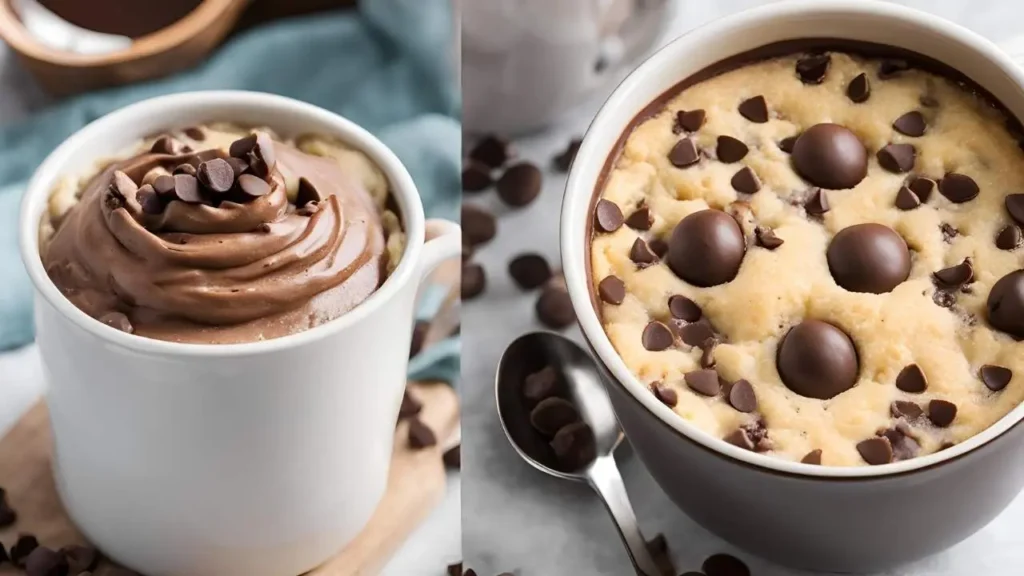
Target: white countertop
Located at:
point(516, 518)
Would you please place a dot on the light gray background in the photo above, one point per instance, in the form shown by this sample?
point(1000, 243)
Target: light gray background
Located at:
point(517, 519)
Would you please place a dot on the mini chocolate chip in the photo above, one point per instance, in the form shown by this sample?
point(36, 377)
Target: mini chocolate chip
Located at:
point(478, 225)
point(149, 200)
point(955, 276)
point(859, 89)
point(958, 188)
point(742, 397)
point(658, 246)
point(574, 445)
point(563, 161)
point(186, 189)
point(814, 456)
point(696, 334)
point(730, 149)
point(1015, 206)
point(941, 412)
point(905, 409)
point(683, 308)
point(554, 307)
point(410, 406)
point(612, 290)
point(766, 238)
point(754, 109)
point(656, 336)
point(875, 451)
point(641, 255)
point(739, 437)
point(745, 181)
point(529, 271)
point(43, 561)
point(904, 445)
point(640, 219)
point(948, 232)
point(684, 153)
point(164, 185)
point(24, 546)
point(492, 151)
point(476, 177)
point(551, 414)
point(906, 199)
point(307, 192)
point(812, 68)
point(540, 384)
point(892, 68)
point(664, 394)
point(922, 187)
point(1009, 237)
point(520, 184)
point(911, 379)
point(787, 144)
point(216, 175)
point(703, 382)
point(452, 457)
point(817, 204)
point(184, 169)
point(474, 280)
point(80, 558)
point(240, 148)
point(707, 353)
point(995, 377)
point(897, 158)
point(911, 124)
point(117, 320)
point(688, 121)
point(607, 216)
point(420, 435)
point(254, 187)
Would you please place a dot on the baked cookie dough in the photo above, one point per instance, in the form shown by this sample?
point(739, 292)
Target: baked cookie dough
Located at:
point(817, 257)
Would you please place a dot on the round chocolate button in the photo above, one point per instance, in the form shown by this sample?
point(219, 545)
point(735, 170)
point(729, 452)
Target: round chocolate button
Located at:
point(830, 156)
point(706, 248)
point(817, 360)
point(868, 258)
point(1006, 304)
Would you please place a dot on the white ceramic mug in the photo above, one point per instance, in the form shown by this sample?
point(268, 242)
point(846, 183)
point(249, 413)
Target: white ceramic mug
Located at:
point(257, 459)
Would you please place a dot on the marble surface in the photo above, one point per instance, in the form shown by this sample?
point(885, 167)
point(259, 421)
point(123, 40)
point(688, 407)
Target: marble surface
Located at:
point(517, 519)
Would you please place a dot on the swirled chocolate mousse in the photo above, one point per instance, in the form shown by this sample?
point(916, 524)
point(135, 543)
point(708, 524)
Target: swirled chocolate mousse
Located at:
point(215, 234)
point(819, 255)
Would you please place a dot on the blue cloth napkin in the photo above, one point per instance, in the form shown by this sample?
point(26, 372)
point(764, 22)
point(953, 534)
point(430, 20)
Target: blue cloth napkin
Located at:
point(388, 66)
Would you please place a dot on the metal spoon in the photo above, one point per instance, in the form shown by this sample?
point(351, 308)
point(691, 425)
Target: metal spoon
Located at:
point(583, 386)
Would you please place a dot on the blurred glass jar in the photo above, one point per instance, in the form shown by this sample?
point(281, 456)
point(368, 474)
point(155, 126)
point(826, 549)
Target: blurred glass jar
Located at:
point(526, 62)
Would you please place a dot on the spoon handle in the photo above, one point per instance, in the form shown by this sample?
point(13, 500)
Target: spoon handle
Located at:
point(605, 479)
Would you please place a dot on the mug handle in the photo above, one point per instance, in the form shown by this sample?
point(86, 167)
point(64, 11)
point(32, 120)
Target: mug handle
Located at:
point(444, 241)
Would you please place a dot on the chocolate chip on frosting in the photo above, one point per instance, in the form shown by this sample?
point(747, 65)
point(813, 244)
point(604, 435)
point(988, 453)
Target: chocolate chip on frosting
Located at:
point(875, 451)
point(745, 181)
point(730, 149)
point(956, 276)
point(184, 169)
point(240, 148)
point(906, 199)
point(262, 158)
point(703, 382)
point(812, 68)
point(910, 124)
point(817, 203)
point(1006, 304)
point(897, 158)
point(607, 216)
point(253, 187)
point(958, 188)
point(682, 308)
point(689, 121)
point(1009, 238)
point(941, 413)
point(640, 219)
point(869, 258)
point(684, 153)
point(754, 109)
point(817, 360)
point(766, 238)
point(612, 290)
point(742, 397)
point(666, 395)
point(149, 200)
point(216, 175)
point(186, 189)
point(830, 156)
point(995, 378)
point(911, 379)
point(859, 89)
point(656, 337)
point(641, 255)
point(307, 192)
point(706, 248)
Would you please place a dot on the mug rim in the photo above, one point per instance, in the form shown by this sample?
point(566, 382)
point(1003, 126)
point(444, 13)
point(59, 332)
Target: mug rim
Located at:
point(37, 193)
point(581, 189)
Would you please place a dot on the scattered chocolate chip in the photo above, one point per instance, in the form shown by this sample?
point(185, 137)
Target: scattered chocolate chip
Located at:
point(1009, 238)
point(941, 412)
point(240, 148)
point(995, 378)
point(948, 232)
point(419, 335)
point(706, 248)
point(703, 382)
point(574, 445)
point(476, 177)
point(684, 153)
point(897, 158)
point(612, 290)
point(184, 169)
point(742, 397)
point(817, 360)
point(696, 333)
point(812, 68)
point(817, 203)
point(452, 457)
point(474, 280)
point(875, 451)
point(520, 184)
point(787, 144)
point(1015, 206)
point(745, 181)
point(551, 414)
point(689, 121)
point(216, 175)
point(43, 561)
point(739, 437)
point(238, 166)
point(859, 89)
point(830, 156)
point(80, 558)
point(906, 199)
point(905, 409)
point(24, 546)
point(910, 124)
point(478, 225)
point(492, 151)
point(149, 200)
point(607, 216)
point(420, 435)
point(640, 219)
point(658, 246)
point(757, 431)
point(410, 406)
point(814, 456)
point(656, 336)
point(911, 379)
point(683, 308)
point(869, 258)
point(554, 308)
point(904, 445)
point(730, 149)
point(707, 353)
point(186, 189)
point(164, 185)
point(958, 188)
point(664, 394)
point(754, 109)
point(262, 158)
point(540, 384)
point(118, 321)
point(922, 187)
point(169, 145)
point(1006, 304)
point(766, 238)
point(892, 68)
point(956, 276)
point(641, 255)
point(563, 161)
point(529, 271)
point(253, 187)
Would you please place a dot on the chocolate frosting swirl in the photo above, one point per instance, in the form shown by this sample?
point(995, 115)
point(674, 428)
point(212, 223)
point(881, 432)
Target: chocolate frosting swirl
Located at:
point(234, 272)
